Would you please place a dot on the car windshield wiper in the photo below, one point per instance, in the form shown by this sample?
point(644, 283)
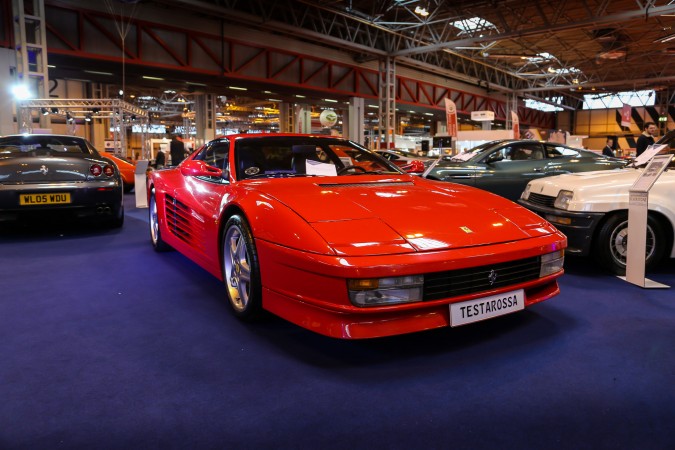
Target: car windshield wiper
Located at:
point(278, 175)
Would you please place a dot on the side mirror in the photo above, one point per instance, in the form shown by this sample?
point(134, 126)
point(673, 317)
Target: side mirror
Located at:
point(197, 168)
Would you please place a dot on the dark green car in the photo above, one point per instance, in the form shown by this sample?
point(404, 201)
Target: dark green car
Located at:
point(506, 166)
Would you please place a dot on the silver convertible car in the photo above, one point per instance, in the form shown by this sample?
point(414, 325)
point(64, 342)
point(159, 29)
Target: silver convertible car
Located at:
point(45, 174)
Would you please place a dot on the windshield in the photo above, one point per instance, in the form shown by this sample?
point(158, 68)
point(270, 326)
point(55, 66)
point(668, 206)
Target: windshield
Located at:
point(668, 140)
point(282, 156)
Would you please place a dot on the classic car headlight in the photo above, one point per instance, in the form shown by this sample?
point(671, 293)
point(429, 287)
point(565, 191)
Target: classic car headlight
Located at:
point(562, 201)
point(552, 263)
point(385, 291)
point(526, 192)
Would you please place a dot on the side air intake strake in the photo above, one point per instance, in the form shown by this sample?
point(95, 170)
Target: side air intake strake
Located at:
point(178, 218)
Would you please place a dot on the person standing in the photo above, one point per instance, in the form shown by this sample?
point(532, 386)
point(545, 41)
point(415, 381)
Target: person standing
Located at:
point(177, 150)
point(160, 160)
point(646, 138)
point(608, 150)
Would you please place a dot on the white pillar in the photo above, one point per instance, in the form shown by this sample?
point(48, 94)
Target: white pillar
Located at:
point(205, 119)
point(7, 60)
point(353, 121)
point(303, 119)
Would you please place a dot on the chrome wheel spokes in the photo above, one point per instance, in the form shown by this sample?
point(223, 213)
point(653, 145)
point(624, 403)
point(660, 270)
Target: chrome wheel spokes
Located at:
point(237, 268)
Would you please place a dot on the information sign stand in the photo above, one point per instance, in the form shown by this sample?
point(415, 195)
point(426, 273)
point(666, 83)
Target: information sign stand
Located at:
point(637, 219)
point(140, 183)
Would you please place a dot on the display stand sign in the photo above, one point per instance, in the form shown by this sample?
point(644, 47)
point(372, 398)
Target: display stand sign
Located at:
point(140, 182)
point(637, 220)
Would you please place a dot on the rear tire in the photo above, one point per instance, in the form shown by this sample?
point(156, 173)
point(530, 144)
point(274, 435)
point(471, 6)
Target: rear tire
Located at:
point(241, 271)
point(612, 243)
point(155, 234)
point(118, 220)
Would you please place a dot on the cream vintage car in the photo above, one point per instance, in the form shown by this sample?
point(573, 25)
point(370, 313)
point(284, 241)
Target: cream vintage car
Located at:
point(591, 208)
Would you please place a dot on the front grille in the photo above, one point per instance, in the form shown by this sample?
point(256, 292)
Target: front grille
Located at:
point(541, 200)
point(477, 279)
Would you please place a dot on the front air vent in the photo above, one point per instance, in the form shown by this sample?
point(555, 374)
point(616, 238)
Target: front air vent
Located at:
point(541, 200)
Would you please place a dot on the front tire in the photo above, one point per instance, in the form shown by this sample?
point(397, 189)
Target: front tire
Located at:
point(241, 271)
point(155, 234)
point(612, 244)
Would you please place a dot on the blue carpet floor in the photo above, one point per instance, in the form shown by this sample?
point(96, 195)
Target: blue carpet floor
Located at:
point(106, 344)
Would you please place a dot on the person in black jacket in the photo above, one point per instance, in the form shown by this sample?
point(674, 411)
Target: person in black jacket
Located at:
point(160, 160)
point(177, 149)
point(608, 150)
point(646, 138)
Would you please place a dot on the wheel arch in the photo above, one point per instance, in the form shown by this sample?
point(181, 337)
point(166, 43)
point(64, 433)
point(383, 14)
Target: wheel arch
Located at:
point(228, 212)
point(668, 228)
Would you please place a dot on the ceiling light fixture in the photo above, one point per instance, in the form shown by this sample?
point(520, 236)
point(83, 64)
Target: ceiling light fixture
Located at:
point(421, 11)
point(670, 37)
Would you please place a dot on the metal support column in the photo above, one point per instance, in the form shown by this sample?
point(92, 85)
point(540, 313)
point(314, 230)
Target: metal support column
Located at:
point(286, 118)
point(205, 119)
point(119, 131)
point(387, 101)
point(353, 125)
point(30, 37)
point(303, 119)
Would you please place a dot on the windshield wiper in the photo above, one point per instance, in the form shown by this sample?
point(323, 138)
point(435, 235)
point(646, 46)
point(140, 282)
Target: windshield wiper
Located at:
point(278, 175)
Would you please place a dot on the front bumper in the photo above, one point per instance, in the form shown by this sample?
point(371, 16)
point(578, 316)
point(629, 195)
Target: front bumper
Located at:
point(579, 227)
point(310, 290)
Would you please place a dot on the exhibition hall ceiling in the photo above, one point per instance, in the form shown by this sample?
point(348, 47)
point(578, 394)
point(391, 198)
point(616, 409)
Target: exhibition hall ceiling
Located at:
point(541, 48)
point(550, 50)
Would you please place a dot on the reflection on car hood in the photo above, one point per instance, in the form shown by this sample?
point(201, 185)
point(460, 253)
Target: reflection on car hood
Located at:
point(44, 169)
point(372, 215)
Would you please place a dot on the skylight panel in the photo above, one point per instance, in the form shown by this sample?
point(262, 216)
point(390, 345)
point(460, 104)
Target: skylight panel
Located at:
point(473, 25)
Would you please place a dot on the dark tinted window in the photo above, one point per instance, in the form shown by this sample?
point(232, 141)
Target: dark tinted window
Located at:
point(215, 154)
point(46, 144)
point(558, 151)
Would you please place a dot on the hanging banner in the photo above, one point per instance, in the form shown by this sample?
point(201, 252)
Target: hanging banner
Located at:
point(515, 124)
point(625, 115)
point(451, 117)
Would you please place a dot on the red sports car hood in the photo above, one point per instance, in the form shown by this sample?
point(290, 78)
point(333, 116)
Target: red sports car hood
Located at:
point(363, 215)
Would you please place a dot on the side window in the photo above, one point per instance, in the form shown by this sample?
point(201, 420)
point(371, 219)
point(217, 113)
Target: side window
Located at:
point(501, 154)
point(557, 151)
point(527, 152)
point(215, 154)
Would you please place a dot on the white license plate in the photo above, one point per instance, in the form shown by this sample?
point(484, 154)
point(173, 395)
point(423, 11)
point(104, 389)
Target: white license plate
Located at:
point(486, 307)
